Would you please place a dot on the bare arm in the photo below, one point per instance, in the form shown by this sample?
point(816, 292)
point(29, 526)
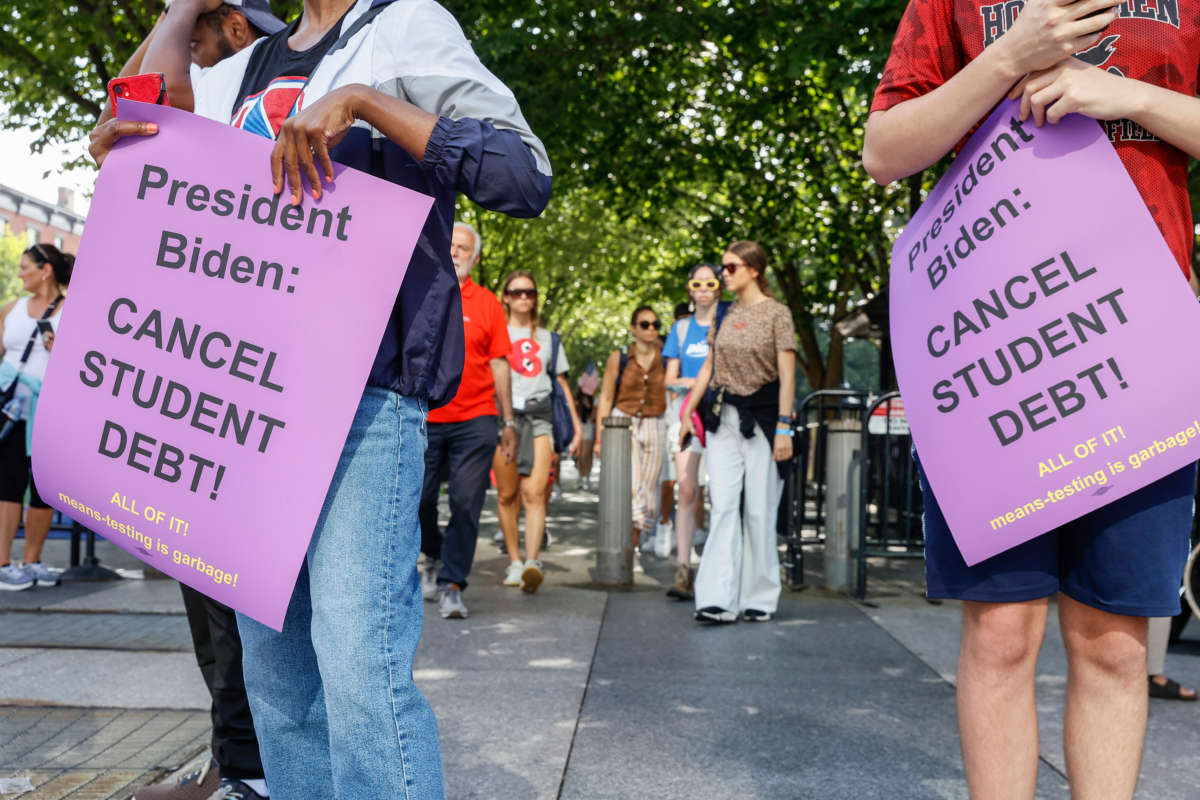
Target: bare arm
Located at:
point(1075, 87)
point(502, 377)
point(170, 52)
point(911, 136)
point(607, 390)
point(784, 444)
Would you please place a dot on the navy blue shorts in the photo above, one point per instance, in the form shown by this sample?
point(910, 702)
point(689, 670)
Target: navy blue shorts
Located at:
point(1125, 558)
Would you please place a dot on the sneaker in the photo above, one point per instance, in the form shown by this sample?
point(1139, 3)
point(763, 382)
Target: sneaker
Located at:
point(512, 575)
point(531, 577)
point(429, 573)
point(662, 540)
point(235, 790)
point(498, 539)
point(754, 615)
point(681, 589)
point(547, 540)
point(14, 578)
point(197, 783)
point(44, 574)
point(450, 604)
point(714, 615)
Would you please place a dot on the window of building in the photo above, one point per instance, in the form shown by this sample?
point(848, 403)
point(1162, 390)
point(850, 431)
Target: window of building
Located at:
point(32, 232)
point(58, 242)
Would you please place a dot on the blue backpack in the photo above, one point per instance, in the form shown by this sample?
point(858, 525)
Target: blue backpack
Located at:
point(561, 421)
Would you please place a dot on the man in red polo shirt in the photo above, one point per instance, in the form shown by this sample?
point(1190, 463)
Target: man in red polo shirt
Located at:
point(462, 436)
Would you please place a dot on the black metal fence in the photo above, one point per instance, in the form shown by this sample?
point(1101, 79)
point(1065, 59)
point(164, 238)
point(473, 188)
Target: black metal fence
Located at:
point(889, 507)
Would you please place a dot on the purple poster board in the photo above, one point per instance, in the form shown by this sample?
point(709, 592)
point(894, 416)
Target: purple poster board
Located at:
point(1039, 323)
point(212, 352)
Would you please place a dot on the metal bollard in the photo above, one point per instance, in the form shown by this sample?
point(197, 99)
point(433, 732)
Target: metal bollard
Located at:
point(842, 518)
point(614, 550)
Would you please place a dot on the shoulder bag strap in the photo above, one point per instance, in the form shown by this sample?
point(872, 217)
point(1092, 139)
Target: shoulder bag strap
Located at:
point(33, 336)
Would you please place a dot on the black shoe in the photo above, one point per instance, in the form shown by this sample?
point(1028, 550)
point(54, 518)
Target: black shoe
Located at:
point(235, 790)
point(714, 615)
point(754, 615)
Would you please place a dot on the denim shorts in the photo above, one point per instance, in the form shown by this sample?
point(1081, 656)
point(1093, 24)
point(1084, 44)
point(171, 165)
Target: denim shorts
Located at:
point(1124, 558)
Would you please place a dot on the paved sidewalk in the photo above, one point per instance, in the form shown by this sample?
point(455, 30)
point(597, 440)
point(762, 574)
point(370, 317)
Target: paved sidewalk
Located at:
point(571, 692)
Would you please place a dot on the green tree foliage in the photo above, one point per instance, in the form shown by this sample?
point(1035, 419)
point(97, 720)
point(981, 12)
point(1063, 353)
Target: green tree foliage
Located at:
point(11, 248)
point(724, 121)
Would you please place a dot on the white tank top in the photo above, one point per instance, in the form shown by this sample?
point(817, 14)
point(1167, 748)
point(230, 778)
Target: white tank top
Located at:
point(18, 326)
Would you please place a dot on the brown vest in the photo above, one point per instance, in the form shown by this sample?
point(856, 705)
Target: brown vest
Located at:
point(643, 393)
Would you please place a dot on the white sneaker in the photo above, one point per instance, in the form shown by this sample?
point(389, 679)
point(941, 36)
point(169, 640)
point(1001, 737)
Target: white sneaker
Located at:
point(14, 578)
point(44, 574)
point(429, 573)
point(531, 577)
point(498, 538)
point(637, 563)
point(450, 604)
point(662, 539)
point(512, 575)
point(547, 540)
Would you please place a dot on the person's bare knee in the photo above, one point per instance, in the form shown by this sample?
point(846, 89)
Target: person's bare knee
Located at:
point(1001, 640)
point(533, 498)
point(687, 494)
point(1112, 645)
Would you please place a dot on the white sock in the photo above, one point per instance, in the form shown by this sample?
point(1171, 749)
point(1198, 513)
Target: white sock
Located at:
point(259, 785)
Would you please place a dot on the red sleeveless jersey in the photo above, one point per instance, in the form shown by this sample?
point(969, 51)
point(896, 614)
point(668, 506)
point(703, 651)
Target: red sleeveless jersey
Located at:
point(1155, 41)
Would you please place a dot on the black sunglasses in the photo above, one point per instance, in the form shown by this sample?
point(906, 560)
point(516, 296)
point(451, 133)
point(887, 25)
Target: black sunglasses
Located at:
point(732, 267)
point(531, 293)
point(646, 324)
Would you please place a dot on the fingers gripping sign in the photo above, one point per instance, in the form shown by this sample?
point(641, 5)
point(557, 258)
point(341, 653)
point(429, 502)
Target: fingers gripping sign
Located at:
point(1070, 87)
point(104, 137)
point(304, 141)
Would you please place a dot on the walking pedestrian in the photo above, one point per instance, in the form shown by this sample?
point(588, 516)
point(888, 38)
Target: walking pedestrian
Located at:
point(751, 371)
point(524, 483)
point(28, 336)
point(635, 387)
point(462, 436)
point(685, 352)
point(951, 62)
point(394, 89)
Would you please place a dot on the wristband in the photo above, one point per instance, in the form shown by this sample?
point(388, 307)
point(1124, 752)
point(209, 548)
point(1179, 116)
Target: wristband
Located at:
point(784, 432)
point(510, 423)
point(786, 420)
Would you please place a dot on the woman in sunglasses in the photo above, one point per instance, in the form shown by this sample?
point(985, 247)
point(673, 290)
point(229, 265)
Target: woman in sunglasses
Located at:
point(525, 482)
point(751, 371)
point(685, 352)
point(635, 386)
point(29, 325)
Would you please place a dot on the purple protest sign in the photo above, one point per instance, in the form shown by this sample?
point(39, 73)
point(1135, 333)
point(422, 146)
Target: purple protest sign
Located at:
point(1035, 313)
point(212, 353)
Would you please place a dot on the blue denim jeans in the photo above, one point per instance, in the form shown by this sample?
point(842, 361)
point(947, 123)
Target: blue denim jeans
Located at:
point(334, 703)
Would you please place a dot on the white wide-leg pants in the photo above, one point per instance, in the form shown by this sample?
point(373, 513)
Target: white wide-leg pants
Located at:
point(740, 567)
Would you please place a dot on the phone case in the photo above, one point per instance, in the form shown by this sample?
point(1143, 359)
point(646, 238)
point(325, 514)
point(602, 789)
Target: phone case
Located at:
point(150, 87)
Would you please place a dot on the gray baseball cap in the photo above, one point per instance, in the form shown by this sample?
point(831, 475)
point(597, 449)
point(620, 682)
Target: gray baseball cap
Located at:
point(259, 13)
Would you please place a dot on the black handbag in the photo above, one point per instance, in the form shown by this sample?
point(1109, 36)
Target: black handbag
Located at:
point(562, 425)
point(8, 410)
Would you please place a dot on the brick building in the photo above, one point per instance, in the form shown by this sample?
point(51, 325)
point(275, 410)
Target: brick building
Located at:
point(39, 221)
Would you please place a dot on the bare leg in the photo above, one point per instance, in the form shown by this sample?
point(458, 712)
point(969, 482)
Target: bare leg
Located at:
point(997, 712)
point(37, 529)
point(533, 497)
point(687, 467)
point(667, 501)
point(1107, 701)
point(508, 503)
point(10, 520)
